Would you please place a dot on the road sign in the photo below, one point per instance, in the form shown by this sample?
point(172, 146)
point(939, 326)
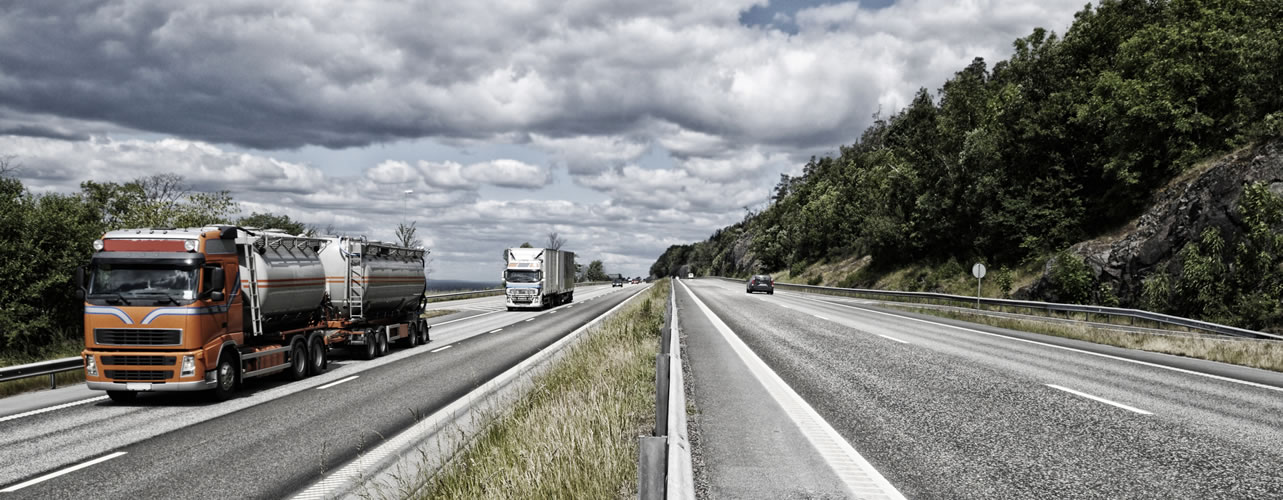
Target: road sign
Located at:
point(978, 271)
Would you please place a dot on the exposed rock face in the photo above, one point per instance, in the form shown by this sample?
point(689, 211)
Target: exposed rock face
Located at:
point(1178, 216)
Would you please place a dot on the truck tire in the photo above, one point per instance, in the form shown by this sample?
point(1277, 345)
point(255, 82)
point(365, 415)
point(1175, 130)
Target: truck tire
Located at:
point(425, 332)
point(318, 358)
point(298, 361)
point(225, 376)
point(122, 396)
point(383, 343)
point(412, 340)
point(371, 348)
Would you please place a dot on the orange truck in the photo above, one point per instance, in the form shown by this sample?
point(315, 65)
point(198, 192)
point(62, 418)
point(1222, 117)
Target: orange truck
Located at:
point(203, 309)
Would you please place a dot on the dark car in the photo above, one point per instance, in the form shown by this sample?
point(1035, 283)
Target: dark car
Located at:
point(761, 283)
point(618, 281)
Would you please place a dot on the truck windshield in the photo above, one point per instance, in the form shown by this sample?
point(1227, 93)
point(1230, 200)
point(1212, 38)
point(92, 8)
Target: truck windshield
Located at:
point(137, 280)
point(521, 276)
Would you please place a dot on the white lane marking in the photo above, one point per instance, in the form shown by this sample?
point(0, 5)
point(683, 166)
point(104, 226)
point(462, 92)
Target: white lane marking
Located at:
point(339, 381)
point(821, 317)
point(51, 408)
point(529, 320)
point(68, 470)
point(856, 473)
point(893, 338)
point(496, 330)
point(362, 466)
point(465, 319)
point(552, 312)
point(1108, 356)
point(1099, 399)
point(442, 348)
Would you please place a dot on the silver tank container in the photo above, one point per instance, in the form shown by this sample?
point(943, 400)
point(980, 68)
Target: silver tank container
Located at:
point(372, 279)
point(290, 276)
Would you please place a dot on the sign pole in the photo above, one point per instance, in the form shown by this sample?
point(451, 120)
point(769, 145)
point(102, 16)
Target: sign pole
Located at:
point(978, 271)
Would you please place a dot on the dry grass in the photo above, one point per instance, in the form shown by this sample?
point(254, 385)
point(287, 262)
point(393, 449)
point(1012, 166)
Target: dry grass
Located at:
point(575, 434)
point(1264, 354)
point(477, 293)
point(432, 313)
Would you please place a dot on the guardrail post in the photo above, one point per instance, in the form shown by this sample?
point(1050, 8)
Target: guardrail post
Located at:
point(652, 458)
point(53, 380)
point(661, 395)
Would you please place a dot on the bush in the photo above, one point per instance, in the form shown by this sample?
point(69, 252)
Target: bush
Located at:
point(1071, 279)
point(819, 278)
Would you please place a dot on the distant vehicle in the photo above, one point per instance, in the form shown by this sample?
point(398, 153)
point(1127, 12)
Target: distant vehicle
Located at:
point(690, 276)
point(617, 281)
point(539, 277)
point(636, 281)
point(760, 283)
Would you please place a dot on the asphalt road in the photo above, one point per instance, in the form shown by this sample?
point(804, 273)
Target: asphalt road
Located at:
point(276, 437)
point(972, 412)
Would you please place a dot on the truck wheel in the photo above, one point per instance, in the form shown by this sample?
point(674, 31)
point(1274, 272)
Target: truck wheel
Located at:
point(318, 358)
point(122, 396)
point(425, 333)
point(371, 348)
point(412, 339)
point(225, 377)
point(298, 361)
point(383, 343)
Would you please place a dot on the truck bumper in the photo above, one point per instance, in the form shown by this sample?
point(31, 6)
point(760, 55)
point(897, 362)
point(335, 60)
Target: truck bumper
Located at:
point(200, 385)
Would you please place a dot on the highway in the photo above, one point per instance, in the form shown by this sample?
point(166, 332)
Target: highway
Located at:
point(944, 409)
point(276, 437)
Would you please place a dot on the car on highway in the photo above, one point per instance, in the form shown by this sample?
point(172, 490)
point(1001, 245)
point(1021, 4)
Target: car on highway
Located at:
point(760, 283)
point(636, 281)
point(618, 281)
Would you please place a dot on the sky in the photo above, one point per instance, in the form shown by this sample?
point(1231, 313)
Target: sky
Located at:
point(623, 126)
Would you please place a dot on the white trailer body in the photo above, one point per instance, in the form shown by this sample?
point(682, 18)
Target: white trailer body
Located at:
point(538, 277)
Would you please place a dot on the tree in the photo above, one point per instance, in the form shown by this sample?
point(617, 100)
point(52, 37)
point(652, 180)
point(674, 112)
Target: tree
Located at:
point(596, 272)
point(7, 166)
point(273, 221)
point(554, 241)
point(405, 234)
point(526, 245)
point(157, 201)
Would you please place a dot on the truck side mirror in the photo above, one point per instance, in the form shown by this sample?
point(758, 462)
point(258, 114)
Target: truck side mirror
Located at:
point(80, 282)
point(217, 279)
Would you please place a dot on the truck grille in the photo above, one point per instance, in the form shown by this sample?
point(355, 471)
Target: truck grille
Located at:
point(137, 336)
point(139, 375)
point(139, 360)
point(522, 291)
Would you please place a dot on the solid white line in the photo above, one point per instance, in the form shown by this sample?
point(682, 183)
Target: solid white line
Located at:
point(68, 470)
point(496, 330)
point(442, 348)
point(51, 408)
point(339, 381)
point(821, 317)
point(552, 312)
point(892, 338)
point(465, 319)
point(1102, 400)
point(856, 473)
point(1035, 342)
point(529, 320)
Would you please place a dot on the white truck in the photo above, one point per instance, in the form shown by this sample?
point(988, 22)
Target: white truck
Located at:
point(538, 277)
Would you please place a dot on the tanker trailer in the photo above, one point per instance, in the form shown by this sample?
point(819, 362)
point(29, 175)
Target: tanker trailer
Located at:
point(201, 309)
point(376, 292)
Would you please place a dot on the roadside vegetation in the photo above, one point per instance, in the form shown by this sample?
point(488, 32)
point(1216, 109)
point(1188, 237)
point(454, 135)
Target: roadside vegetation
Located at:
point(575, 434)
point(64, 349)
point(1010, 163)
point(1264, 354)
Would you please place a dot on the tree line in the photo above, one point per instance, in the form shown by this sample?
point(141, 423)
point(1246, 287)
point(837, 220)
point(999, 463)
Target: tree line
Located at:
point(1010, 163)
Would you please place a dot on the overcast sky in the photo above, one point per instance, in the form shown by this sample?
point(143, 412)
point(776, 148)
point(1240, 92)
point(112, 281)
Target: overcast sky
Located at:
point(625, 126)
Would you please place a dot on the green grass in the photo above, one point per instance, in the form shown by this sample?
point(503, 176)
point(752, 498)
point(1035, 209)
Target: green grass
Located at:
point(575, 434)
point(64, 349)
point(1262, 354)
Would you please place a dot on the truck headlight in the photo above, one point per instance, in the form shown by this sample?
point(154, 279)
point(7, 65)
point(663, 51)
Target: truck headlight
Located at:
point(91, 368)
point(189, 366)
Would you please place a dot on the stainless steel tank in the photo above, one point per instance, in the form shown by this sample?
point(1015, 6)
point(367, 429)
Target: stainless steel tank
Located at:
point(371, 279)
point(290, 278)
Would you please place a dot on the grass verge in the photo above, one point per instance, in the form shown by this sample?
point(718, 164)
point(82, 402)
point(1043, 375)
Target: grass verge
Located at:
point(475, 294)
point(1264, 354)
point(574, 435)
point(432, 313)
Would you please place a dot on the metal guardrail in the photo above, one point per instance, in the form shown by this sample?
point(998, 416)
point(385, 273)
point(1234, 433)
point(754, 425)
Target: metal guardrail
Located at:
point(492, 291)
point(1051, 307)
point(664, 459)
point(51, 368)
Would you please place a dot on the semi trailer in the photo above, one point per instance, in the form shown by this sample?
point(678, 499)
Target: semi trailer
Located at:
point(538, 277)
point(204, 309)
